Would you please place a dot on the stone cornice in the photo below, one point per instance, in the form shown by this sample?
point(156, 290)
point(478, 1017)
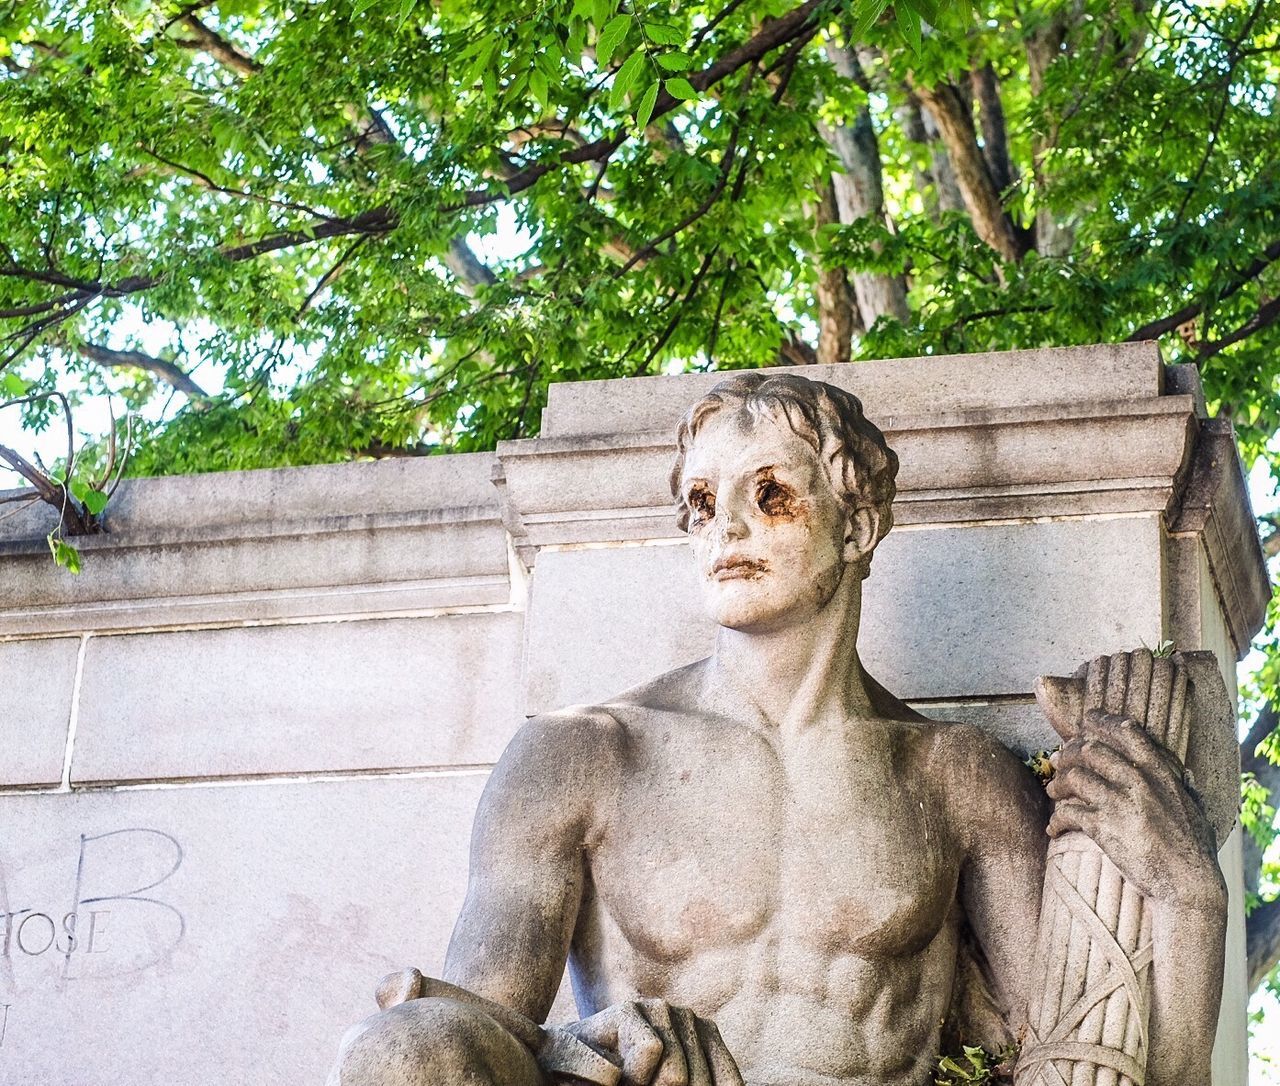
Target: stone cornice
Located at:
point(957, 467)
point(391, 536)
point(1214, 505)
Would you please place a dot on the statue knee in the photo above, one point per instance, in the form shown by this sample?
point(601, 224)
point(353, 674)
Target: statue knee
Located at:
point(433, 1042)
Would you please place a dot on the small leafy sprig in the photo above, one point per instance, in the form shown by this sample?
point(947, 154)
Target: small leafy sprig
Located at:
point(976, 1067)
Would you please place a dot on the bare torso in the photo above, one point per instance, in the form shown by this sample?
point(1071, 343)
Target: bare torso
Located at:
point(721, 879)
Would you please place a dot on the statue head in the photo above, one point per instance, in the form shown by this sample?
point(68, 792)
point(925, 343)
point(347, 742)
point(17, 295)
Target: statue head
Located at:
point(784, 487)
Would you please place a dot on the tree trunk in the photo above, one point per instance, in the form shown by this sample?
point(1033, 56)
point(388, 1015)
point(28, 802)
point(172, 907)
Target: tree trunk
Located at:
point(995, 137)
point(937, 185)
point(837, 308)
point(1043, 48)
point(978, 189)
point(859, 194)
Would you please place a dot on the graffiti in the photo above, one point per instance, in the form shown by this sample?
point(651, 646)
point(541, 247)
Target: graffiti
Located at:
point(116, 920)
point(35, 933)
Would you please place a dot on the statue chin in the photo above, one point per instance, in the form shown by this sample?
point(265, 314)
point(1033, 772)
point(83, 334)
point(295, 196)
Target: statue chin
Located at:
point(770, 601)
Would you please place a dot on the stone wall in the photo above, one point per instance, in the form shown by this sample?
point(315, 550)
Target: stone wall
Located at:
point(242, 750)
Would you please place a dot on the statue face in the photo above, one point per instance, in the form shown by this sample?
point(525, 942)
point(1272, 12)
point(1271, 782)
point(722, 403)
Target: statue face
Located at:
point(769, 535)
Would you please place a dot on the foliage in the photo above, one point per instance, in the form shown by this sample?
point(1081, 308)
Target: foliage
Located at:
point(287, 196)
point(975, 1067)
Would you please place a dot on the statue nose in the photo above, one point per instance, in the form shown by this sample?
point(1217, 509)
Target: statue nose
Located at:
point(731, 525)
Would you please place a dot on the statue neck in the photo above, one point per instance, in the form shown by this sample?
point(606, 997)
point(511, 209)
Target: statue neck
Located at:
point(799, 675)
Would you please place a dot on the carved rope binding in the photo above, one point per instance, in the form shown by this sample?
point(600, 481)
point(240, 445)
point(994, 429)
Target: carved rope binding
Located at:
point(1089, 1017)
point(1040, 1052)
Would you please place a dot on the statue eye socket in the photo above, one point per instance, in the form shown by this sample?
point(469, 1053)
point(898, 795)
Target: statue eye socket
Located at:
point(703, 504)
point(772, 498)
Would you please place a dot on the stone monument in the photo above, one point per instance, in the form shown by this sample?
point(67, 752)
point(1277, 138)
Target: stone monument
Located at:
point(242, 752)
point(763, 867)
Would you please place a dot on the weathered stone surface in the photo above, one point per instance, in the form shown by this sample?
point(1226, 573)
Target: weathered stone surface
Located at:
point(1214, 509)
point(671, 839)
point(38, 680)
point(285, 543)
point(601, 620)
point(965, 612)
point(888, 389)
point(330, 696)
point(957, 467)
point(275, 910)
point(411, 536)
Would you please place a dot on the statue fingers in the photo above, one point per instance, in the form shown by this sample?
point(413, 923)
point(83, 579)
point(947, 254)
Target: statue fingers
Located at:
point(1096, 755)
point(685, 1023)
point(1082, 783)
point(639, 1045)
point(674, 1068)
point(399, 987)
point(1133, 741)
point(1080, 817)
point(724, 1068)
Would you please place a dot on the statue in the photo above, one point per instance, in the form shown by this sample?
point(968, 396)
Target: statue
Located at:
point(763, 868)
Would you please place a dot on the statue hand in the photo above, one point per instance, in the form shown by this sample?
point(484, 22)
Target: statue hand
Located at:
point(660, 1045)
point(1127, 792)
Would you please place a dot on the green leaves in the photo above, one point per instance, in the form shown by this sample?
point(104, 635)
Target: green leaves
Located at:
point(662, 34)
point(909, 23)
point(680, 88)
point(90, 497)
point(674, 62)
point(610, 38)
point(974, 1067)
point(647, 101)
point(626, 79)
point(64, 553)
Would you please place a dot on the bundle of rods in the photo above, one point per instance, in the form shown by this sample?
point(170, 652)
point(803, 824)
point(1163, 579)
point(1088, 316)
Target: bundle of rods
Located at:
point(1090, 1030)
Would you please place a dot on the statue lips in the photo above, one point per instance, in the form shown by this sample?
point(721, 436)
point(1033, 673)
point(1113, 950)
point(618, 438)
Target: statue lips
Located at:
point(737, 567)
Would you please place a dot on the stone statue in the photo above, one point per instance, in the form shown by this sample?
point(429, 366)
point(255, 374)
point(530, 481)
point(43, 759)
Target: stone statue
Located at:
point(763, 867)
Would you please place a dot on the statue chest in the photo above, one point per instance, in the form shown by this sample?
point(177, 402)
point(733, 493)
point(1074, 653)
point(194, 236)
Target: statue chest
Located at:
point(819, 851)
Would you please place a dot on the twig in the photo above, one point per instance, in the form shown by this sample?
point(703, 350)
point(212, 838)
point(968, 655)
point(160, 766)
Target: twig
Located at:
point(678, 316)
point(330, 275)
point(1155, 329)
point(1233, 59)
point(1266, 314)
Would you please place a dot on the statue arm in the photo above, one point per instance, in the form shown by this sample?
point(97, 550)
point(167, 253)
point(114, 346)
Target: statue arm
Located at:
point(1001, 811)
point(528, 846)
point(1159, 838)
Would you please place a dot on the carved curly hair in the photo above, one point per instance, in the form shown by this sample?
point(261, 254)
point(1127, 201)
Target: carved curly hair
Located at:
point(859, 464)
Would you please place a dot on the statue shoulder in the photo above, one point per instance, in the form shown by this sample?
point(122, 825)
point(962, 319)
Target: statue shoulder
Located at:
point(985, 781)
point(551, 780)
point(566, 742)
point(967, 748)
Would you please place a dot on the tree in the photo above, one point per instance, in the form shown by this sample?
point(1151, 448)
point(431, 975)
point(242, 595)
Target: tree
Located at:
point(384, 227)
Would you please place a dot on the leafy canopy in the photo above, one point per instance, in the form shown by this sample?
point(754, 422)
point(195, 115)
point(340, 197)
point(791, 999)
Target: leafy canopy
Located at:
point(387, 225)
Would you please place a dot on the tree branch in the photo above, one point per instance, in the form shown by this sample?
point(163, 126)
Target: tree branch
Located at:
point(71, 518)
point(168, 372)
point(1155, 329)
point(463, 262)
point(1267, 313)
point(209, 41)
point(1262, 940)
point(981, 197)
point(798, 24)
point(1262, 926)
